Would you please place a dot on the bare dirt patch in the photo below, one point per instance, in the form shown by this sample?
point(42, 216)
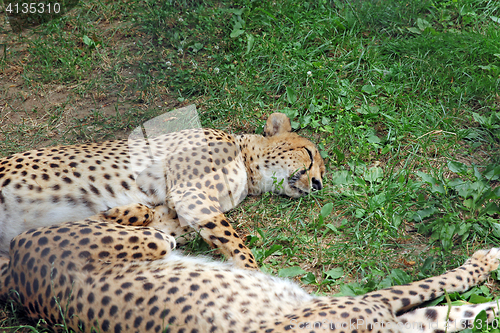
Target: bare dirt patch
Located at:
point(36, 113)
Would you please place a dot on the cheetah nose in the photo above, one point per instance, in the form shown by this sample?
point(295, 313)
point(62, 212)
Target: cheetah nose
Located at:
point(316, 184)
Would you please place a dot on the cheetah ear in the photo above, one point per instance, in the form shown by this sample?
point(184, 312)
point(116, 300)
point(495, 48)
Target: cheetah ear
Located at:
point(277, 123)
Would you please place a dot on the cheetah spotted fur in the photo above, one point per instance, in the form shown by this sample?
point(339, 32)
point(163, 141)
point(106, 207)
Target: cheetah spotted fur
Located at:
point(96, 276)
point(192, 176)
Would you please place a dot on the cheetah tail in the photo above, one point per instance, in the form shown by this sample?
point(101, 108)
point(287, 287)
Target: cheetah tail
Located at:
point(475, 270)
point(443, 319)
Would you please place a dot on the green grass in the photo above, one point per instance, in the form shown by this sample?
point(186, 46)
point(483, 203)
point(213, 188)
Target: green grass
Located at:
point(402, 98)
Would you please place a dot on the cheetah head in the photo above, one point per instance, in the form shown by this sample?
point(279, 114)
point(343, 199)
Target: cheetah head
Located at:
point(292, 165)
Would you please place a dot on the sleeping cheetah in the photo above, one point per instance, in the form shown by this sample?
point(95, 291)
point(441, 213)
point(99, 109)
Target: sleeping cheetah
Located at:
point(196, 174)
point(95, 276)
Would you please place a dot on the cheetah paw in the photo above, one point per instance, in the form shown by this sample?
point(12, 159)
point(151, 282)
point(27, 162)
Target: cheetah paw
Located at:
point(488, 259)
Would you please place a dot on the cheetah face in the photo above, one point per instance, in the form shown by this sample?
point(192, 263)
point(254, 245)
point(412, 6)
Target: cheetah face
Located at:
point(299, 172)
point(309, 176)
point(293, 165)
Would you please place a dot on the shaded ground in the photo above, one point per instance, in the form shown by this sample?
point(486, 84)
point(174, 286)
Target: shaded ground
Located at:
point(35, 113)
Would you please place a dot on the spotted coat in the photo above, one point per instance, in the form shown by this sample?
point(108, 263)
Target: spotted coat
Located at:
point(94, 275)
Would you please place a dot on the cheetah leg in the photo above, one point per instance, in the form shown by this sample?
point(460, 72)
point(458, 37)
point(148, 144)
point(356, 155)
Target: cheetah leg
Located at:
point(160, 217)
point(436, 318)
point(134, 219)
point(475, 270)
point(166, 220)
point(132, 215)
point(219, 233)
point(207, 218)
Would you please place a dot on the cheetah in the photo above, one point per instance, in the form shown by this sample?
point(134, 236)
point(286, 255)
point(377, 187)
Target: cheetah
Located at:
point(193, 175)
point(97, 276)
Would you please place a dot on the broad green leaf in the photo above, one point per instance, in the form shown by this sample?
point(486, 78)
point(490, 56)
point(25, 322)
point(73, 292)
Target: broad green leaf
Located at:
point(236, 11)
point(396, 221)
point(309, 278)
point(435, 185)
point(457, 167)
point(414, 30)
point(463, 228)
point(401, 178)
point(425, 177)
point(290, 272)
point(332, 228)
point(198, 46)
point(258, 253)
point(480, 119)
point(495, 229)
point(446, 236)
point(327, 209)
point(347, 290)
point(456, 183)
point(438, 187)
point(369, 88)
point(251, 239)
point(423, 24)
point(386, 149)
point(341, 178)
point(492, 172)
point(446, 243)
point(467, 294)
point(335, 273)
point(479, 229)
point(497, 191)
point(291, 95)
point(359, 213)
point(374, 174)
point(327, 129)
point(88, 41)
point(359, 181)
point(237, 30)
point(424, 213)
point(427, 265)
point(465, 190)
point(400, 277)
point(491, 208)
point(485, 290)
point(478, 174)
point(385, 283)
point(477, 299)
point(377, 200)
point(273, 249)
point(250, 42)
point(305, 120)
point(435, 301)
point(373, 139)
point(365, 109)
